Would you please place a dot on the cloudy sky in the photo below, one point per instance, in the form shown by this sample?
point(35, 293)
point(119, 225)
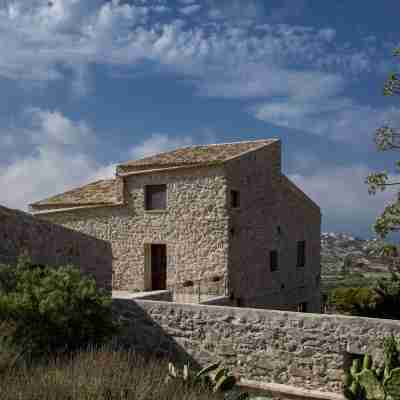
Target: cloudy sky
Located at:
point(86, 84)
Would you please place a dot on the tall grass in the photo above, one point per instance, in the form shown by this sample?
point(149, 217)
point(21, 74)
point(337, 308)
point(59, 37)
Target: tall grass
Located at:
point(102, 374)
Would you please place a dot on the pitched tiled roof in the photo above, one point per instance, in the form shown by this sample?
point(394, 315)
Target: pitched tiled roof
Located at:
point(192, 155)
point(99, 192)
point(108, 192)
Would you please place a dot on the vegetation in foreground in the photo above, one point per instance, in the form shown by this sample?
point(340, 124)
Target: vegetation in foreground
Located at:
point(53, 309)
point(102, 374)
point(368, 380)
point(56, 329)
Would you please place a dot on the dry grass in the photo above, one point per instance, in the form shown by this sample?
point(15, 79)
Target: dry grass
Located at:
point(96, 375)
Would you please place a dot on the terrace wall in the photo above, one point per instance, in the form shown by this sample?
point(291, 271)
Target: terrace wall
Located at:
point(306, 351)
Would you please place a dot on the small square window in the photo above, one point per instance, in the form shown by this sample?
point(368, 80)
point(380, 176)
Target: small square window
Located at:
point(235, 199)
point(301, 253)
point(156, 197)
point(302, 307)
point(273, 260)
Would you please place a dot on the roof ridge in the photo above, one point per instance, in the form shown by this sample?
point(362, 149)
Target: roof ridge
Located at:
point(217, 144)
point(193, 147)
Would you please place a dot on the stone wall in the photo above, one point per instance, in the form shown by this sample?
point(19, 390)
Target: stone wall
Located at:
point(193, 227)
point(52, 244)
point(303, 350)
point(267, 202)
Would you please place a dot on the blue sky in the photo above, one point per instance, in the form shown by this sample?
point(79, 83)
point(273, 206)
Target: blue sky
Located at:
point(86, 84)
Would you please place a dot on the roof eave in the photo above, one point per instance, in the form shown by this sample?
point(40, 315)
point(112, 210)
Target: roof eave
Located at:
point(73, 208)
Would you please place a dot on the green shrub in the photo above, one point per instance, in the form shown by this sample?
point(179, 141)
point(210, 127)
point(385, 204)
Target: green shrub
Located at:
point(388, 292)
point(382, 300)
point(354, 301)
point(53, 309)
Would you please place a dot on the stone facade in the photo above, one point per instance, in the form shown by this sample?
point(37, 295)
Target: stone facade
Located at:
point(51, 244)
point(307, 351)
point(193, 227)
point(212, 248)
point(273, 215)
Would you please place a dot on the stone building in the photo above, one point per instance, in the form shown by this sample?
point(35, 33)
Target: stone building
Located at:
point(204, 221)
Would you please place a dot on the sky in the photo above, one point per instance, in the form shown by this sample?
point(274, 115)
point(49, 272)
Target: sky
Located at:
point(87, 84)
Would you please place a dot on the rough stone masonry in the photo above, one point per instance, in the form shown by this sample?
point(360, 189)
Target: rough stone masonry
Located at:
point(307, 351)
point(213, 247)
point(51, 244)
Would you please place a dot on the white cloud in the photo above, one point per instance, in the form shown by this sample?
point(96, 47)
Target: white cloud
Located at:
point(343, 196)
point(158, 143)
point(38, 38)
point(336, 118)
point(57, 160)
point(53, 128)
point(327, 34)
point(189, 10)
point(160, 9)
point(302, 66)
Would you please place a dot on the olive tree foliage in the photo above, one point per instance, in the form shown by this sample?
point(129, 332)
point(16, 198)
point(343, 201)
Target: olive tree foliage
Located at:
point(387, 138)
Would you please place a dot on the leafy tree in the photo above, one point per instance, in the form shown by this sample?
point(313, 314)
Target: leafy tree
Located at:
point(387, 138)
point(53, 309)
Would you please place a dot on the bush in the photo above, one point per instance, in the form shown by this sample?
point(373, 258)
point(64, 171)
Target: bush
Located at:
point(379, 301)
point(388, 292)
point(354, 301)
point(53, 309)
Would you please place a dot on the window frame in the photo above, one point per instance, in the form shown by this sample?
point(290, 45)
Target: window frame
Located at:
point(148, 193)
point(301, 254)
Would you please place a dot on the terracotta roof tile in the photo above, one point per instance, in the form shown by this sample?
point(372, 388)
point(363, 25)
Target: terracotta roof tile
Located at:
point(99, 192)
point(192, 155)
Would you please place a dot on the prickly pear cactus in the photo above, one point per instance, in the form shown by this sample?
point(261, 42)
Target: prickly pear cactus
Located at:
point(367, 362)
point(372, 388)
point(392, 385)
point(363, 381)
point(355, 367)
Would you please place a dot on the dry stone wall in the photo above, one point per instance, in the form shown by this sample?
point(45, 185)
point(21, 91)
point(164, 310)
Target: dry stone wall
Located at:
point(51, 244)
point(303, 350)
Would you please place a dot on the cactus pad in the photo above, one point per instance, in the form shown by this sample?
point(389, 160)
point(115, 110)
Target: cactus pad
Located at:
point(372, 387)
point(392, 385)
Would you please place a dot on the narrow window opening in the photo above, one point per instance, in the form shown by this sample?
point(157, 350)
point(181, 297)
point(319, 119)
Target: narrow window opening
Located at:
point(273, 260)
point(301, 253)
point(235, 199)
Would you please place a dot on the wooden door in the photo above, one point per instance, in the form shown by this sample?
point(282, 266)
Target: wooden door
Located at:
point(158, 267)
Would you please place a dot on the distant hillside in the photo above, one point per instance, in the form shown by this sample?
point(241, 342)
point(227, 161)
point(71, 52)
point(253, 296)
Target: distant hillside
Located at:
point(347, 261)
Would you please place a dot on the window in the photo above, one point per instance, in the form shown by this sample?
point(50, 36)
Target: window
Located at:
point(301, 253)
point(235, 199)
point(273, 260)
point(302, 307)
point(156, 197)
